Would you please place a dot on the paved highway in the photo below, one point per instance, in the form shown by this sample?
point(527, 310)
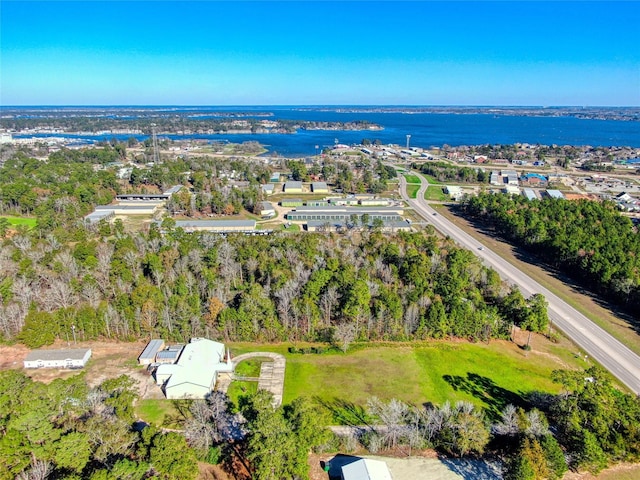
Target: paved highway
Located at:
point(609, 352)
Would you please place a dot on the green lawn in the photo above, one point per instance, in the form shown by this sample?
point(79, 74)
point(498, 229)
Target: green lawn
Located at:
point(412, 178)
point(249, 368)
point(29, 222)
point(488, 375)
point(239, 388)
point(412, 190)
point(436, 194)
point(158, 412)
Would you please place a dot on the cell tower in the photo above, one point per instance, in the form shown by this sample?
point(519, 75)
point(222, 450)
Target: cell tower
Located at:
point(154, 138)
point(408, 138)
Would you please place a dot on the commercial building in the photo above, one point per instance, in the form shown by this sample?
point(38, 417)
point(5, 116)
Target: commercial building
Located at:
point(293, 187)
point(555, 194)
point(67, 358)
point(217, 226)
point(292, 202)
point(196, 371)
point(529, 193)
point(98, 215)
point(148, 355)
point(319, 187)
point(345, 214)
point(266, 209)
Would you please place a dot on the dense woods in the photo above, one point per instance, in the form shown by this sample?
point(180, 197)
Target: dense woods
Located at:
point(589, 241)
point(279, 287)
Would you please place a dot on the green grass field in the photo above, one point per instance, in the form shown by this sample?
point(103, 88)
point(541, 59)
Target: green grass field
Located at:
point(412, 190)
point(29, 222)
point(412, 178)
point(158, 412)
point(435, 193)
point(490, 376)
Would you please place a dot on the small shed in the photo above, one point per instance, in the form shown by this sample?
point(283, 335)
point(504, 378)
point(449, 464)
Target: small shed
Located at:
point(66, 358)
point(148, 355)
point(265, 209)
point(268, 188)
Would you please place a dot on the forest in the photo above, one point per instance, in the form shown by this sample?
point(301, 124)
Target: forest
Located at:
point(589, 241)
point(69, 430)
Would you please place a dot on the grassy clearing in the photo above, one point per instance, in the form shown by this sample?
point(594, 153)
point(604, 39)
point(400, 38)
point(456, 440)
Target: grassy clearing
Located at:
point(436, 194)
point(412, 190)
point(248, 368)
point(412, 178)
point(158, 412)
point(587, 305)
point(488, 375)
point(240, 388)
point(29, 222)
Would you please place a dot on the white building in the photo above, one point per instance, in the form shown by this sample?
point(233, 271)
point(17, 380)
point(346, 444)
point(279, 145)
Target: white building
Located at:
point(366, 469)
point(196, 372)
point(70, 358)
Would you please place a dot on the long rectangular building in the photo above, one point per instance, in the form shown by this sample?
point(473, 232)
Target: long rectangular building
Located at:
point(66, 358)
point(388, 214)
point(219, 226)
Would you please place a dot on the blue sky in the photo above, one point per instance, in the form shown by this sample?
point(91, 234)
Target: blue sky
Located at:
point(313, 53)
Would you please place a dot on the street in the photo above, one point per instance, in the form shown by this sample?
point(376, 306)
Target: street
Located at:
point(598, 344)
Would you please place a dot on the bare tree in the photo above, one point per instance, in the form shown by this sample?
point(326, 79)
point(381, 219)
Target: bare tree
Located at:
point(39, 470)
point(328, 301)
point(509, 423)
point(344, 334)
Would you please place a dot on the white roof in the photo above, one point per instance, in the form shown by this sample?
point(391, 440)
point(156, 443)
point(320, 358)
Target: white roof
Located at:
point(366, 469)
point(198, 363)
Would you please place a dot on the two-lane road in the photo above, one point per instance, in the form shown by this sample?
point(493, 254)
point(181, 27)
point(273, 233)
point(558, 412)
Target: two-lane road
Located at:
point(600, 345)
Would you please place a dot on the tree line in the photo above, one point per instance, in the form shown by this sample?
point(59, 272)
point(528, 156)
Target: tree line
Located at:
point(316, 287)
point(67, 429)
point(589, 241)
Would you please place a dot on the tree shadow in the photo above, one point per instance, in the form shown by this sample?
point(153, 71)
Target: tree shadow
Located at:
point(486, 390)
point(345, 413)
point(336, 463)
point(473, 469)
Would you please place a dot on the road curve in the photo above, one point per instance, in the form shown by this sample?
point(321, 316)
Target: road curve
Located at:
point(600, 345)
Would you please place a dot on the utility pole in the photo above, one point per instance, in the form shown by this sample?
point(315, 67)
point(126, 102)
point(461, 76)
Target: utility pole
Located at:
point(73, 330)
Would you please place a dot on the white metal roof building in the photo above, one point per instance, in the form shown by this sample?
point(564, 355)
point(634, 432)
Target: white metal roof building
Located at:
point(529, 193)
point(220, 226)
point(555, 194)
point(66, 358)
point(148, 355)
point(196, 372)
point(366, 469)
point(391, 214)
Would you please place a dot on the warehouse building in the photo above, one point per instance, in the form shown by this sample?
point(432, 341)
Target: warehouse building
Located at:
point(196, 371)
point(217, 226)
point(268, 189)
point(344, 214)
point(293, 187)
point(67, 358)
point(148, 355)
point(319, 187)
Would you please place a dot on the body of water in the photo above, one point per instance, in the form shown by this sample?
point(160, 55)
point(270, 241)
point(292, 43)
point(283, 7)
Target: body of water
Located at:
point(426, 129)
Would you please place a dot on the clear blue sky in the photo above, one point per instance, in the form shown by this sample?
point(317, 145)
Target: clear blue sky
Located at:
point(297, 53)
